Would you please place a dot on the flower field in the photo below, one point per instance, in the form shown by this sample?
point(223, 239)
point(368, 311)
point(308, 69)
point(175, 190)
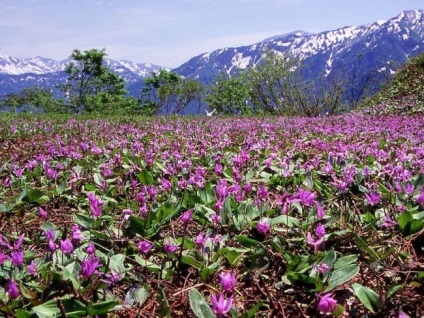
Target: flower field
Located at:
point(212, 216)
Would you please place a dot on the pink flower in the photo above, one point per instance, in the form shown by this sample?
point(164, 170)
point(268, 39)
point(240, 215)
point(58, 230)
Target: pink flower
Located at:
point(144, 246)
point(12, 289)
point(89, 267)
point(222, 305)
point(166, 184)
point(263, 226)
point(96, 205)
point(169, 248)
point(42, 213)
point(373, 197)
point(228, 281)
point(66, 246)
point(201, 240)
point(216, 219)
point(321, 268)
point(90, 249)
point(320, 230)
point(17, 258)
point(32, 268)
point(314, 242)
point(420, 198)
point(327, 303)
point(320, 210)
point(187, 216)
point(76, 233)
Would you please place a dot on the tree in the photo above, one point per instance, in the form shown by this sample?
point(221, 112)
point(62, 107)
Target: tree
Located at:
point(277, 86)
point(33, 100)
point(229, 95)
point(90, 83)
point(168, 92)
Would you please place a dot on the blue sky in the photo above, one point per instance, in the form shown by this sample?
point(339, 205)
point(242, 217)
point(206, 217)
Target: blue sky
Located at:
point(170, 32)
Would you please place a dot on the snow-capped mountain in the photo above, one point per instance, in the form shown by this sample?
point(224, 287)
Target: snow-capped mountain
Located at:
point(17, 74)
point(382, 45)
point(362, 56)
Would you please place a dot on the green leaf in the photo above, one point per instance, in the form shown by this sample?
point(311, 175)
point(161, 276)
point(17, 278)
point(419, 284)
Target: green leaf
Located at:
point(47, 309)
point(72, 307)
point(345, 260)
point(329, 258)
point(404, 219)
point(189, 260)
point(367, 296)
point(136, 295)
point(37, 196)
point(233, 257)
point(393, 290)
point(164, 308)
point(83, 220)
point(288, 221)
point(199, 305)
point(342, 275)
point(252, 311)
point(137, 225)
point(101, 308)
point(246, 241)
point(145, 177)
point(20, 313)
point(363, 246)
point(414, 226)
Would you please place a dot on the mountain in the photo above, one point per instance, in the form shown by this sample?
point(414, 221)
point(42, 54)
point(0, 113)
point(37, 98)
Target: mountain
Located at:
point(363, 57)
point(16, 74)
point(380, 46)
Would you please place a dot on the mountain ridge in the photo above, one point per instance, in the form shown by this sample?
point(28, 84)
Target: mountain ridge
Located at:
point(350, 52)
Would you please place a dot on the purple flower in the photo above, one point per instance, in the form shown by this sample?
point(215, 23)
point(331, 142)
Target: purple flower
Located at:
point(49, 234)
point(388, 222)
point(262, 193)
point(89, 267)
point(187, 216)
point(18, 243)
point(373, 197)
point(96, 205)
point(321, 268)
point(12, 289)
point(76, 233)
point(320, 230)
point(315, 243)
point(3, 257)
point(263, 226)
point(166, 184)
point(320, 210)
point(216, 219)
point(420, 198)
point(144, 246)
point(113, 277)
point(327, 303)
point(143, 209)
point(91, 249)
point(51, 173)
point(17, 258)
point(66, 246)
point(403, 315)
point(201, 241)
point(52, 246)
point(169, 248)
point(222, 305)
point(32, 268)
point(42, 213)
point(228, 281)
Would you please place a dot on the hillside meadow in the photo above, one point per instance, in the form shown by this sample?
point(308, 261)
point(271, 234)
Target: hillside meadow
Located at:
point(212, 216)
